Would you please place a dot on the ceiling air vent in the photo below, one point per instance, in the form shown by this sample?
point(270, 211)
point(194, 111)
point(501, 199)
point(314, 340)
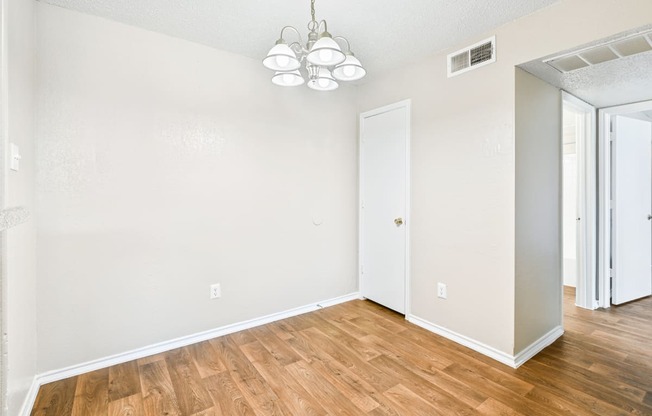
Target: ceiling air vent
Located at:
point(610, 51)
point(472, 57)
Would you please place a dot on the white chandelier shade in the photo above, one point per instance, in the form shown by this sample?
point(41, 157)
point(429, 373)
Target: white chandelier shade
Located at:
point(288, 79)
point(323, 81)
point(319, 63)
point(349, 70)
point(281, 58)
point(326, 52)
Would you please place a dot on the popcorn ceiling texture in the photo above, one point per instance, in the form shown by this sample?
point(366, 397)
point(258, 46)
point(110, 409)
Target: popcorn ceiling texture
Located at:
point(384, 33)
point(617, 82)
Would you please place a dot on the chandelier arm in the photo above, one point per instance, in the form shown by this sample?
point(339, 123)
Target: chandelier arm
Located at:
point(348, 45)
point(295, 31)
point(298, 49)
point(325, 26)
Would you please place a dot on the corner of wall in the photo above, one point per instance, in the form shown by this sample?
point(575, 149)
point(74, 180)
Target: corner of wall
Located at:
point(538, 258)
point(18, 197)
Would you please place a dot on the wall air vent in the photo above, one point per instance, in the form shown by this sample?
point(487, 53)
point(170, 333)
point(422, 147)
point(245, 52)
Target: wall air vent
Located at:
point(594, 55)
point(472, 57)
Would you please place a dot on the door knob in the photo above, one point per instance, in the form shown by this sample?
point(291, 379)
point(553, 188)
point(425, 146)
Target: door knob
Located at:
point(649, 217)
point(398, 221)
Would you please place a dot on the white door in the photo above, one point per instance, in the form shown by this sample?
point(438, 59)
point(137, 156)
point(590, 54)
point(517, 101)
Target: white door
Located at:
point(632, 206)
point(384, 164)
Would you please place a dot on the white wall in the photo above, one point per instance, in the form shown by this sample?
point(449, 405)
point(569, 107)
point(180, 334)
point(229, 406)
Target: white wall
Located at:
point(165, 166)
point(463, 165)
point(538, 251)
point(19, 243)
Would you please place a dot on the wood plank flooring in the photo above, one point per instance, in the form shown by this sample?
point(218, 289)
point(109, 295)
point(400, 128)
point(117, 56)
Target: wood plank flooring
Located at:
point(359, 358)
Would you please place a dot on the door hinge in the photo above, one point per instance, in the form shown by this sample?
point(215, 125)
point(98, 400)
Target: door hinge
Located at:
point(361, 269)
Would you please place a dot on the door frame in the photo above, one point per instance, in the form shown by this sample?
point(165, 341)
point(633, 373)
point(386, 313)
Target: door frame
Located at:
point(604, 194)
point(407, 105)
point(4, 88)
point(585, 145)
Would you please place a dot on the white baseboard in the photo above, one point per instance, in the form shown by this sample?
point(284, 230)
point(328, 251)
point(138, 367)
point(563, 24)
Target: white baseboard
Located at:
point(28, 404)
point(478, 346)
point(86, 367)
point(538, 345)
point(491, 352)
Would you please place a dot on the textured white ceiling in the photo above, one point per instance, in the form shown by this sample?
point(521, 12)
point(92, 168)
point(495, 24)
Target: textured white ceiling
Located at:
point(621, 81)
point(383, 33)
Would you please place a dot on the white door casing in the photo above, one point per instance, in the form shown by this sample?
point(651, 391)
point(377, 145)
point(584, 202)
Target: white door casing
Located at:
point(631, 209)
point(586, 232)
point(384, 205)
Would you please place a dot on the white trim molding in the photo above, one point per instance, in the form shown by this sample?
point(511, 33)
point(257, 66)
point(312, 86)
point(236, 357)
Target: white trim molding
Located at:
point(30, 399)
point(538, 346)
point(143, 352)
point(513, 361)
point(478, 346)
point(587, 208)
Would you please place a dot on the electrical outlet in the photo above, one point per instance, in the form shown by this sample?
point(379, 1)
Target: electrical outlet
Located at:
point(441, 291)
point(216, 291)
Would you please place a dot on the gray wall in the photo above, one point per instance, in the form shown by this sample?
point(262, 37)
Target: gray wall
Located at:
point(538, 228)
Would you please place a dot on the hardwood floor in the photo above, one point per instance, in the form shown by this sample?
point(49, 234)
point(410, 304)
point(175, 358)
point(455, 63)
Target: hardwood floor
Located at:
point(359, 358)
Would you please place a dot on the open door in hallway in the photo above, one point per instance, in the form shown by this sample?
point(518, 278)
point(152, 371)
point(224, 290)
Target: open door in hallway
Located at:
point(631, 209)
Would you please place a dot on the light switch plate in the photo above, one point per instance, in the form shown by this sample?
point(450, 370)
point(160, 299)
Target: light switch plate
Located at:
point(442, 291)
point(14, 159)
point(216, 291)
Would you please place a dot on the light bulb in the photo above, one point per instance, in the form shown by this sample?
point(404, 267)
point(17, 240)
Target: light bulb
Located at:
point(325, 55)
point(288, 78)
point(348, 70)
point(323, 82)
point(282, 60)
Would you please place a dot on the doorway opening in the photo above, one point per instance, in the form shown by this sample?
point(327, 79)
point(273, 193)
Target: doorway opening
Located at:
point(578, 200)
point(602, 89)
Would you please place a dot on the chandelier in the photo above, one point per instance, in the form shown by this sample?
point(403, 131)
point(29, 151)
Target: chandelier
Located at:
point(320, 59)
